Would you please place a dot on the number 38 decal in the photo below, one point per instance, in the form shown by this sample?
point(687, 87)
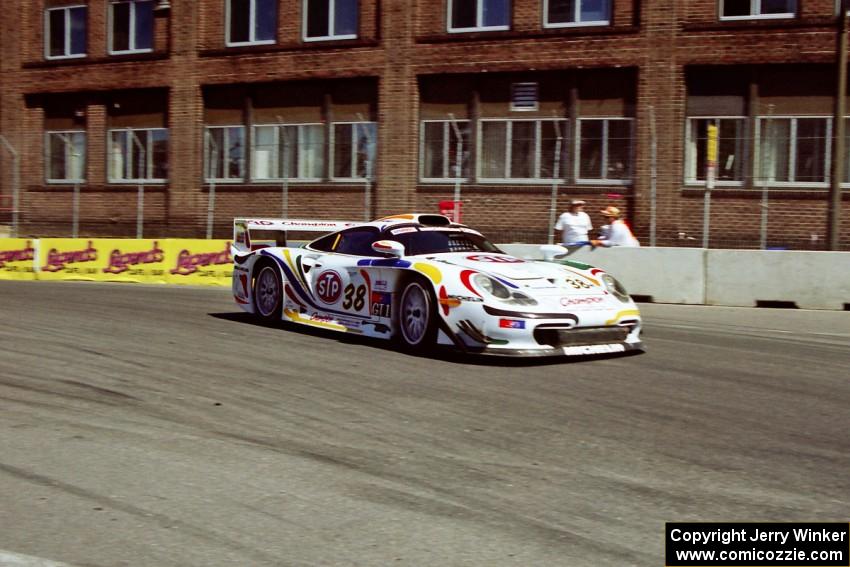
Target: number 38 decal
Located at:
point(354, 297)
point(578, 284)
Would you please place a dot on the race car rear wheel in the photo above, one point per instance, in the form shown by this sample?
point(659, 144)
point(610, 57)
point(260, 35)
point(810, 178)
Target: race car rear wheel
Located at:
point(268, 293)
point(417, 315)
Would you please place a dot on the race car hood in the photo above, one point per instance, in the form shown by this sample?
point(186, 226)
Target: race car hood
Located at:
point(523, 272)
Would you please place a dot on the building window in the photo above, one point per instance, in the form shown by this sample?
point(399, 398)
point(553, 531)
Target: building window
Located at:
point(66, 32)
point(353, 149)
point(138, 155)
point(793, 150)
point(563, 13)
point(251, 22)
point(479, 15)
point(522, 149)
point(289, 151)
point(744, 9)
point(730, 149)
point(439, 147)
point(330, 19)
point(131, 26)
point(605, 150)
point(66, 156)
point(224, 153)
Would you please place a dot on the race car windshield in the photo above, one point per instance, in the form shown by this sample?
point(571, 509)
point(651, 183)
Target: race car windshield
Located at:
point(438, 241)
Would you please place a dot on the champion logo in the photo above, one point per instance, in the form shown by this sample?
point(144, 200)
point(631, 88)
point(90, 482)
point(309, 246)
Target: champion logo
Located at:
point(567, 301)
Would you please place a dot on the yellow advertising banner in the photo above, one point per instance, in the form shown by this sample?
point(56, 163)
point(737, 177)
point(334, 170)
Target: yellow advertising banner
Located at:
point(199, 262)
point(106, 259)
point(17, 258)
point(175, 261)
point(130, 260)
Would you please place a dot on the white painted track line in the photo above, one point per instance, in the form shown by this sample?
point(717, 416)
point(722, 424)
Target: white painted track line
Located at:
point(8, 559)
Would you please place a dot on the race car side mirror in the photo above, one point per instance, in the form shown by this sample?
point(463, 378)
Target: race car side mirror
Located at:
point(550, 251)
point(390, 247)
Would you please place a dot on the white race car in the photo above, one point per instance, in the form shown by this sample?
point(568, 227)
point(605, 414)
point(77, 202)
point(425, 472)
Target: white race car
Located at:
point(423, 280)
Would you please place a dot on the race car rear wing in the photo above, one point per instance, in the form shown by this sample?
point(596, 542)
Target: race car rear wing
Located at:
point(253, 234)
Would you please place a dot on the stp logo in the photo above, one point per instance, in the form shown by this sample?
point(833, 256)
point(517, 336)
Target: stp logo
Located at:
point(329, 286)
point(495, 259)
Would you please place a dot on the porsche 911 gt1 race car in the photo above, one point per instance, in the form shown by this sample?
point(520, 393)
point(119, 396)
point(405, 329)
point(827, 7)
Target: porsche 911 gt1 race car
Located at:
point(424, 280)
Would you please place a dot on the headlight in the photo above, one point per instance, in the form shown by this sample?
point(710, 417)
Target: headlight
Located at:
point(494, 287)
point(500, 291)
point(615, 288)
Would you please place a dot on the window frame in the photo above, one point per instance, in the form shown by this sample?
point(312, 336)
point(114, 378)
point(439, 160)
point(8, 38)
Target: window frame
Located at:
point(133, 39)
point(446, 143)
point(604, 159)
point(755, 12)
point(577, 23)
point(565, 149)
point(67, 10)
point(149, 163)
point(691, 156)
point(353, 164)
point(252, 26)
point(479, 18)
point(48, 157)
point(207, 150)
point(331, 21)
point(792, 155)
point(277, 129)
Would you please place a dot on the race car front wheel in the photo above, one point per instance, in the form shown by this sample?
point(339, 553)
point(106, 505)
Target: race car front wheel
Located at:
point(268, 293)
point(417, 316)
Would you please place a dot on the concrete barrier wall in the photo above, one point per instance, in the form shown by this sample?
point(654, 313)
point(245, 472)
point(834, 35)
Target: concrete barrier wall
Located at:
point(810, 280)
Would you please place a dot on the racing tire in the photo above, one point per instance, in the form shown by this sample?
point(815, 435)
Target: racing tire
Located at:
point(417, 316)
point(268, 293)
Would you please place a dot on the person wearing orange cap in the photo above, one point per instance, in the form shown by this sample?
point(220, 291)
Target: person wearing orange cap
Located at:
point(617, 232)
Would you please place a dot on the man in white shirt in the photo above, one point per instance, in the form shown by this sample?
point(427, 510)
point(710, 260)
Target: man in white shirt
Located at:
point(575, 225)
point(617, 233)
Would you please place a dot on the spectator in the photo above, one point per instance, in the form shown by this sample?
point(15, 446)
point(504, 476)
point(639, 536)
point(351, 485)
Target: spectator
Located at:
point(616, 232)
point(575, 225)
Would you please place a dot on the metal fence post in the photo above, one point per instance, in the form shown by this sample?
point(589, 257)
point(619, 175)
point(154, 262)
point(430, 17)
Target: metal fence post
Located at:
point(556, 173)
point(75, 196)
point(370, 148)
point(75, 209)
point(833, 223)
point(653, 177)
point(211, 201)
point(16, 184)
point(711, 166)
point(284, 189)
point(458, 168)
point(140, 200)
point(765, 202)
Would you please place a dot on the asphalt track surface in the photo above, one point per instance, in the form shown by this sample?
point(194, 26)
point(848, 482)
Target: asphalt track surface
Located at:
point(156, 426)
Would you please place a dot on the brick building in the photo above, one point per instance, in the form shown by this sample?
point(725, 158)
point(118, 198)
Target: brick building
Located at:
point(351, 109)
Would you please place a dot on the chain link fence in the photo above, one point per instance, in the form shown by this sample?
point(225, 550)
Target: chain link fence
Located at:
point(770, 186)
